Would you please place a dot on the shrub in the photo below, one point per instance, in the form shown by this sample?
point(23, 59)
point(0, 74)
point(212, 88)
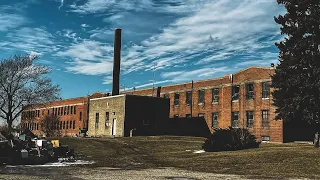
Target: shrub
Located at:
point(230, 139)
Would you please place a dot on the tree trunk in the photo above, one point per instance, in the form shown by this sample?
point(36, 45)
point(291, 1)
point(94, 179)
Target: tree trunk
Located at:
point(316, 140)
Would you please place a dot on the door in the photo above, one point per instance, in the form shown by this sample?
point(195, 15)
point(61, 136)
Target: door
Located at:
point(114, 127)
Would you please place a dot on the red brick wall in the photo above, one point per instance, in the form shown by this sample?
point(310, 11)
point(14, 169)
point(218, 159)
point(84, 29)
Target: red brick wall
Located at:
point(224, 106)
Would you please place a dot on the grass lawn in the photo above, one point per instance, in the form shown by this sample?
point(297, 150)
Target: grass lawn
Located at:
point(268, 161)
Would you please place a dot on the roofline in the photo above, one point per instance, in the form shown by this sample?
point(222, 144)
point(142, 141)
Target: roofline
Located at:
point(94, 99)
point(261, 67)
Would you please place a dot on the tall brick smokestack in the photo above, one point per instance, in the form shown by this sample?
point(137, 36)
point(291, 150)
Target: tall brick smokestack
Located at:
point(116, 62)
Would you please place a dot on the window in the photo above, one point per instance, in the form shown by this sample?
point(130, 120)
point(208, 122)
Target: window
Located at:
point(74, 124)
point(80, 118)
point(64, 125)
point(235, 92)
point(107, 119)
point(265, 89)
point(176, 99)
point(215, 95)
point(64, 110)
point(176, 116)
point(265, 118)
point(188, 98)
point(234, 119)
point(60, 124)
point(68, 109)
point(249, 119)
point(215, 120)
point(97, 120)
point(250, 91)
point(265, 138)
point(201, 96)
point(48, 111)
point(146, 122)
point(166, 95)
point(70, 124)
point(52, 111)
point(74, 109)
point(56, 111)
point(201, 115)
point(67, 125)
point(188, 116)
point(71, 109)
point(59, 111)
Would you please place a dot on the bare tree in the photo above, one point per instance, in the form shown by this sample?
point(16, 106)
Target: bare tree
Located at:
point(22, 82)
point(50, 125)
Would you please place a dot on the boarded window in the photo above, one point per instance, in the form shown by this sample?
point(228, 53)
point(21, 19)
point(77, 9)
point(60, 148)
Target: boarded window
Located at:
point(235, 92)
point(176, 99)
point(215, 95)
point(265, 89)
point(250, 119)
point(265, 118)
point(234, 119)
point(201, 96)
point(215, 120)
point(250, 91)
point(188, 97)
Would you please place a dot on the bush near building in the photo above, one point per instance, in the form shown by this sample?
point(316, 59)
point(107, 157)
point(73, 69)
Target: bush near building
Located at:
point(230, 139)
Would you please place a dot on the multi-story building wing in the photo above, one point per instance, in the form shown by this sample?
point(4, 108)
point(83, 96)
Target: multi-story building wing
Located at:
point(242, 99)
point(72, 113)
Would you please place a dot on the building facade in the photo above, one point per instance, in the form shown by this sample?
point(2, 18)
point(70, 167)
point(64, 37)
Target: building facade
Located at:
point(242, 99)
point(125, 115)
point(72, 114)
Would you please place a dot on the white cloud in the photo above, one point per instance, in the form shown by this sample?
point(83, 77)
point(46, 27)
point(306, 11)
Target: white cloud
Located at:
point(85, 25)
point(11, 21)
point(61, 4)
point(113, 18)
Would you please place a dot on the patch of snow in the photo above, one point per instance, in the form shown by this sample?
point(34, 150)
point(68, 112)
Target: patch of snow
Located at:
point(199, 151)
point(57, 164)
point(188, 150)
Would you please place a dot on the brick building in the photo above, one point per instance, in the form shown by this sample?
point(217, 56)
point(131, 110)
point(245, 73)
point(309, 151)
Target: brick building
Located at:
point(72, 113)
point(242, 99)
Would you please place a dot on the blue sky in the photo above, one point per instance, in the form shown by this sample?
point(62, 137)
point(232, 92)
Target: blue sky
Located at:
point(182, 40)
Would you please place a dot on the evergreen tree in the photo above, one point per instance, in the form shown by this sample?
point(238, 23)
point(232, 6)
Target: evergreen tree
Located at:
point(297, 77)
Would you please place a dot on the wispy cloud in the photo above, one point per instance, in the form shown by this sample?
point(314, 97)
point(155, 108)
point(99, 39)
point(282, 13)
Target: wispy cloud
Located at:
point(61, 4)
point(9, 21)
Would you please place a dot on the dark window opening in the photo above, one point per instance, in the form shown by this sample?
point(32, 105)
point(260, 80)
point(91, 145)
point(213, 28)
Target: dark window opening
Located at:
point(234, 119)
point(215, 120)
point(74, 124)
point(235, 92)
point(188, 97)
point(250, 119)
point(67, 125)
point(250, 91)
point(176, 116)
point(71, 109)
point(265, 89)
point(65, 110)
point(265, 119)
point(215, 95)
point(201, 96)
point(107, 119)
point(97, 120)
point(74, 109)
point(166, 95)
point(80, 118)
point(176, 99)
point(188, 116)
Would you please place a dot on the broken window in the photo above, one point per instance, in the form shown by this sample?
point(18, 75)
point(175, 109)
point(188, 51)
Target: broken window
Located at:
point(235, 92)
point(107, 119)
point(188, 97)
point(215, 120)
point(201, 96)
point(176, 99)
point(97, 120)
point(250, 91)
point(249, 119)
point(265, 89)
point(234, 119)
point(215, 95)
point(265, 118)
point(74, 109)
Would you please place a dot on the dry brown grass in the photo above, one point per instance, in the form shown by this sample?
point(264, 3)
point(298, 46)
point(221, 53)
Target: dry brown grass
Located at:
point(268, 161)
